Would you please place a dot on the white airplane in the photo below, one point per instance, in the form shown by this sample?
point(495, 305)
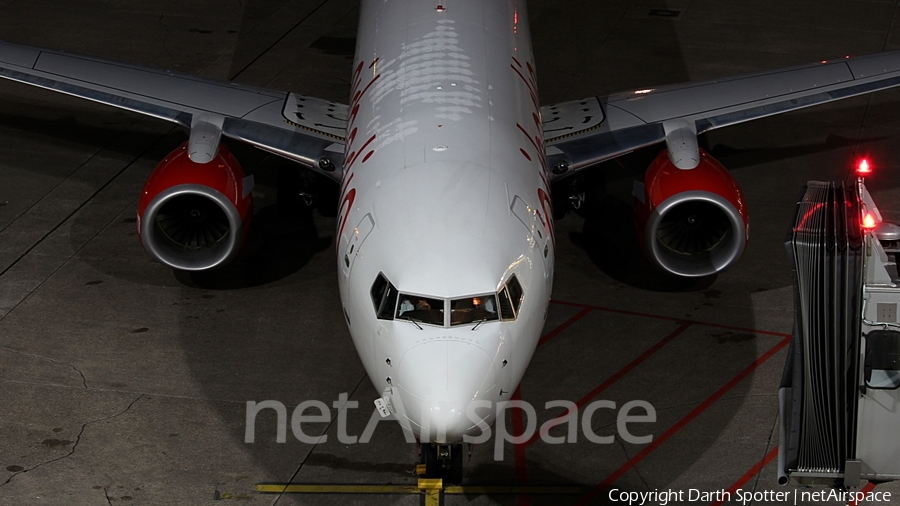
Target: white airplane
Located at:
point(445, 161)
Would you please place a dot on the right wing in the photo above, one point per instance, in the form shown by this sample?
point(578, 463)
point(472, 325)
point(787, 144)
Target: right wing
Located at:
point(581, 133)
point(304, 129)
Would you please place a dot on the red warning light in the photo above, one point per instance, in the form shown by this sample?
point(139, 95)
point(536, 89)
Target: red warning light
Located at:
point(863, 167)
point(868, 222)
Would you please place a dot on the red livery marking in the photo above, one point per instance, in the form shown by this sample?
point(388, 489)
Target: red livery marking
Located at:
point(363, 92)
point(359, 94)
point(373, 63)
point(527, 85)
point(537, 143)
point(356, 78)
point(348, 199)
point(517, 62)
point(526, 154)
point(547, 206)
point(368, 155)
point(528, 82)
point(346, 183)
point(353, 156)
point(537, 120)
point(528, 136)
point(546, 181)
point(353, 113)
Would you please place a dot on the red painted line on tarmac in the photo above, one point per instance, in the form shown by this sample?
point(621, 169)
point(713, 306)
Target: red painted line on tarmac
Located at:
point(519, 450)
point(670, 318)
point(865, 490)
point(618, 473)
point(568, 323)
point(749, 474)
point(616, 377)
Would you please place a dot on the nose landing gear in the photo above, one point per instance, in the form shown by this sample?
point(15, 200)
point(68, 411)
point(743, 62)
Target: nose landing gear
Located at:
point(443, 461)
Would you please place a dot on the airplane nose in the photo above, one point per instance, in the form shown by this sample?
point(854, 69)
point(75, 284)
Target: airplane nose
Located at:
point(437, 381)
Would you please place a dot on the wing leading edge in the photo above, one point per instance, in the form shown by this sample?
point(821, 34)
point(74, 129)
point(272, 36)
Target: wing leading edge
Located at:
point(304, 129)
point(577, 134)
point(581, 133)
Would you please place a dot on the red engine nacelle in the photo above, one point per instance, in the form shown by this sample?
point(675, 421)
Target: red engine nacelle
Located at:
point(194, 216)
point(691, 222)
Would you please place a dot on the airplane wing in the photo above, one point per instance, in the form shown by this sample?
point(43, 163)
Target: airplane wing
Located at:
point(581, 133)
point(300, 128)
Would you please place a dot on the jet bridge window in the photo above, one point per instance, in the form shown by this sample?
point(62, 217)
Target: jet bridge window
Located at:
point(421, 309)
point(510, 296)
point(384, 297)
point(473, 310)
point(883, 359)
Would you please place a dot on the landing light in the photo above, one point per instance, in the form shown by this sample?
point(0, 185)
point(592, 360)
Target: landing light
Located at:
point(863, 167)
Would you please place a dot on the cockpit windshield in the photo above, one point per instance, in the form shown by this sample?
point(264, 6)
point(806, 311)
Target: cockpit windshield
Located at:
point(473, 310)
point(421, 309)
point(391, 305)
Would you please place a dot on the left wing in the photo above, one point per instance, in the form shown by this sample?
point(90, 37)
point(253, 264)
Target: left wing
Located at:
point(305, 129)
point(581, 133)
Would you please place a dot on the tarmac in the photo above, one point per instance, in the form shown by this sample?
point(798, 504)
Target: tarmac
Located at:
point(125, 382)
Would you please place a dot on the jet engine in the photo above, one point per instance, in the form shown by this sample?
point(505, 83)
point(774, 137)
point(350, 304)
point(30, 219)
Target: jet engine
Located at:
point(691, 222)
point(194, 216)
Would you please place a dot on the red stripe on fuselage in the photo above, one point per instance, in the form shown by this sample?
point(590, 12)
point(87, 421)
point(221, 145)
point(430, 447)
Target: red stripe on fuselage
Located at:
point(348, 199)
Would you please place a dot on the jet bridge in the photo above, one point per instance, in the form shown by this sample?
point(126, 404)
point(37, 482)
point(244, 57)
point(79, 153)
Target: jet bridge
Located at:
point(839, 399)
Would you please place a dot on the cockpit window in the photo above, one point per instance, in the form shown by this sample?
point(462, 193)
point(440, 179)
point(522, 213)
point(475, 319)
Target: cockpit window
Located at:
point(473, 310)
point(421, 309)
point(390, 305)
point(510, 296)
point(384, 297)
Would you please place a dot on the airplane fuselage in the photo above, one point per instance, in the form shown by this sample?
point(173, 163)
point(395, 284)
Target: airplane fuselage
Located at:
point(444, 208)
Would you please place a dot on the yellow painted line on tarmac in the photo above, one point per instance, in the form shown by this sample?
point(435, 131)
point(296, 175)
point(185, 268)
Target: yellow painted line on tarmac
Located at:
point(431, 488)
point(511, 490)
point(431, 484)
point(432, 497)
point(336, 489)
